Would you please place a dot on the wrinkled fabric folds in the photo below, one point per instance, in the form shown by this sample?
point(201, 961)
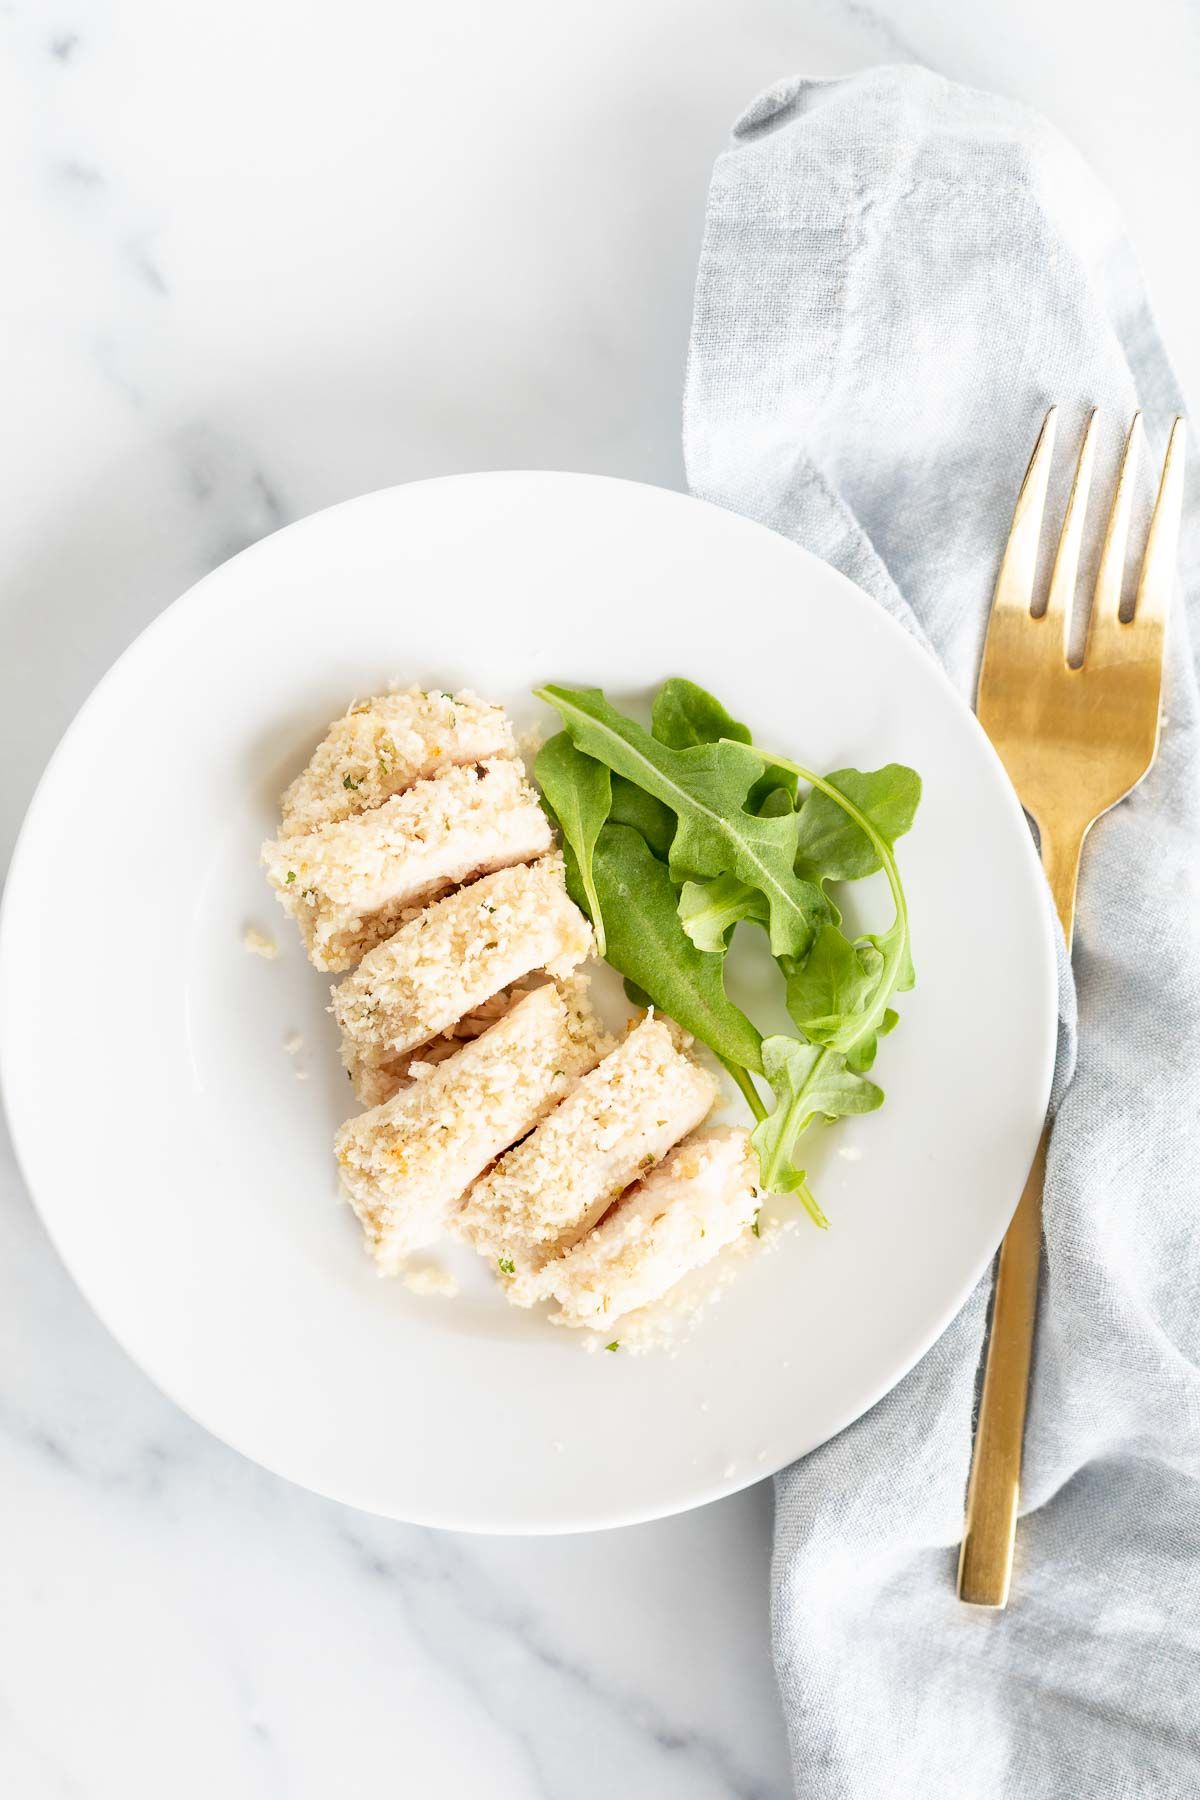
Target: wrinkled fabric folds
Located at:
point(898, 276)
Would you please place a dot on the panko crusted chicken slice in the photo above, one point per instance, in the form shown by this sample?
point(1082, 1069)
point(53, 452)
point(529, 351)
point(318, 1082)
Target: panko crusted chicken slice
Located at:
point(615, 1125)
point(695, 1202)
point(404, 1165)
point(376, 1082)
point(453, 958)
point(382, 745)
point(350, 884)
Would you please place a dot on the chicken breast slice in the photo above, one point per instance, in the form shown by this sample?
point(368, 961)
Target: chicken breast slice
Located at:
point(351, 884)
point(547, 1192)
point(453, 958)
point(404, 1165)
point(699, 1199)
point(376, 1082)
point(383, 745)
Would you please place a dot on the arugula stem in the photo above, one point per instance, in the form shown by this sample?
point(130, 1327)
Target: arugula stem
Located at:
point(777, 1165)
point(750, 1093)
point(809, 1201)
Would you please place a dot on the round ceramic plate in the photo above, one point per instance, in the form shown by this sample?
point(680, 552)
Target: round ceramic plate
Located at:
point(185, 1172)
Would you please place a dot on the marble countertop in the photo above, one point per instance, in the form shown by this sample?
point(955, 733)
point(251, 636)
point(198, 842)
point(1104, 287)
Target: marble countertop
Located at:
point(259, 258)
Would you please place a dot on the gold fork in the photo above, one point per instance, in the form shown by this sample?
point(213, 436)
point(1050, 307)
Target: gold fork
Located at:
point(1074, 741)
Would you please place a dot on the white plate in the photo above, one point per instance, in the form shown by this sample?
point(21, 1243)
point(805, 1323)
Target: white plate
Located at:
point(186, 1175)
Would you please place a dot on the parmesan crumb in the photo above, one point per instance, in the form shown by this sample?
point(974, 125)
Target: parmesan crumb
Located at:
point(428, 1278)
point(259, 944)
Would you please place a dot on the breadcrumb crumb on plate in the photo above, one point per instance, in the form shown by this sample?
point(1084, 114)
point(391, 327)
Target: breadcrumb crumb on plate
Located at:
point(428, 1278)
point(259, 944)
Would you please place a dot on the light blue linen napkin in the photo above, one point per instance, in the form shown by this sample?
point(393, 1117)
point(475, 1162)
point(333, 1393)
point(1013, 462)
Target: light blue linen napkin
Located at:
point(898, 277)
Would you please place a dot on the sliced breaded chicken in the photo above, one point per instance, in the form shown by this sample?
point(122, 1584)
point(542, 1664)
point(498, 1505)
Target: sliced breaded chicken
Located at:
point(698, 1199)
point(406, 1164)
point(382, 745)
point(376, 1082)
point(454, 957)
point(543, 1195)
point(349, 885)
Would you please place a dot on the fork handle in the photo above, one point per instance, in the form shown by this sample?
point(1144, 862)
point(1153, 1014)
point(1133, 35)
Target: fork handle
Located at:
point(1062, 846)
point(993, 1491)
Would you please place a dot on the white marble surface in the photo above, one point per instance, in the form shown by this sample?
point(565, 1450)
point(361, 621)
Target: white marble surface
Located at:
point(259, 257)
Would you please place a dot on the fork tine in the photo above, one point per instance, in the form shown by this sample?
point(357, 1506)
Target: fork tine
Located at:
point(1158, 564)
point(1014, 583)
point(1066, 560)
point(1104, 626)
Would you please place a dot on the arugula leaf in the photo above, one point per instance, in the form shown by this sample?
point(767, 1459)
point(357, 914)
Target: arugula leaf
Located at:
point(656, 822)
point(695, 804)
point(893, 944)
point(685, 714)
point(895, 940)
point(830, 846)
point(859, 1036)
point(709, 910)
point(809, 1081)
point(861, 1055)
point(706, 788)
point(828, 993)
point(776, 799)
point(579, 793)
point(647, 945)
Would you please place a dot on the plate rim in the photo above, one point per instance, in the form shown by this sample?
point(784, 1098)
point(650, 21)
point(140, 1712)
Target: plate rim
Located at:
point(168, 618)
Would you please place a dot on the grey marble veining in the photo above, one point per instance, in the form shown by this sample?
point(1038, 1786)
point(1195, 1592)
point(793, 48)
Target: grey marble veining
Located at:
point(257, 260)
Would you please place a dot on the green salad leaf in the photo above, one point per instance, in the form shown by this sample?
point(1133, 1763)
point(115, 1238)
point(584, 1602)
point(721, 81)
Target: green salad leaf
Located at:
point(705, 787)
point(646, 945)
point(684, 715)
point(648, 816)
point(829, 991)
point(830, 846)
point(772, 799)
point(579, 793)
point(709, 910)
point(808, 1082)
point(699, 830)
